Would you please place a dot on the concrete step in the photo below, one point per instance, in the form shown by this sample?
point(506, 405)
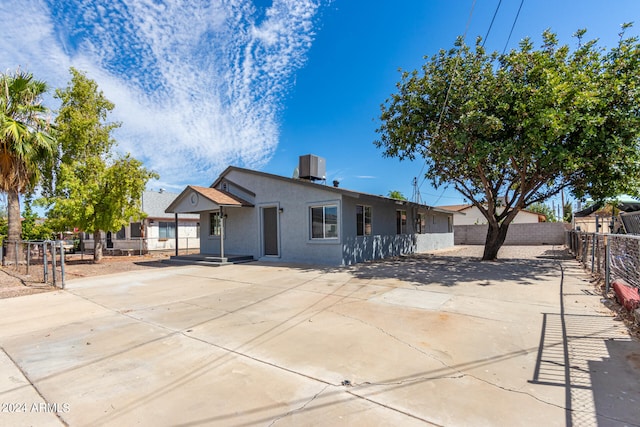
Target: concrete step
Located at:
point(209, 260)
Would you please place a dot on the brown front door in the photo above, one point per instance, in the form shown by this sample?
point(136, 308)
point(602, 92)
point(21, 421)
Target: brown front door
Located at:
point(270, 231)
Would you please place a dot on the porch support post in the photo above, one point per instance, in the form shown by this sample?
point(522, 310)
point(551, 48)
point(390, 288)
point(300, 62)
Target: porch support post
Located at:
point(221, 233)
point(176, 233)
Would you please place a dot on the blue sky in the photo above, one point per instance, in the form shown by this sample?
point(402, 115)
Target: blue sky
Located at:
point(199, 85)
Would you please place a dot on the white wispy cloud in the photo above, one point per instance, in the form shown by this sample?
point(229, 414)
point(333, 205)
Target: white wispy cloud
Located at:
point(198, 85)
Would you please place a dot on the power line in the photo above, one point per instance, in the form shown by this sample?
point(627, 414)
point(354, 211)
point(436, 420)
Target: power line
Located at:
point(491, 24)
point(446, 98)
point(456, 66)
point(439, 197)
point(512, 27)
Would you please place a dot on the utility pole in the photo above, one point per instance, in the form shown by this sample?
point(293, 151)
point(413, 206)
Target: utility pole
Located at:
point(416, 192)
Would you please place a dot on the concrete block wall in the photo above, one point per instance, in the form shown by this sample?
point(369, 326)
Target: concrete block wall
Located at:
point(542, 233)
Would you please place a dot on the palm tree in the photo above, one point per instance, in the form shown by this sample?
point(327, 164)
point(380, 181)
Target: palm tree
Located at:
point(24, 142)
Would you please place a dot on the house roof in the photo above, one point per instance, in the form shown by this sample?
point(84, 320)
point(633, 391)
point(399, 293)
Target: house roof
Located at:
point(456, 208)
point(154, 204)
point(339, 190)
point(460, 208)
point(219, 197)
point(213, 195)
point(623, 202)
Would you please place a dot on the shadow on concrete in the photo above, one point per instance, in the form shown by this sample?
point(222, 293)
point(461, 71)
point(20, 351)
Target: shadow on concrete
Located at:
point(449, 270)
point(614, 384)
point(156, 263)
point(582, 353)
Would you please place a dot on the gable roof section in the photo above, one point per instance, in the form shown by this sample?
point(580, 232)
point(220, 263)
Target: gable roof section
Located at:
point(219, 197)
point(214, 196)
point(462, 208)
point(154, 204)
point(343, 191)
point(456, 208)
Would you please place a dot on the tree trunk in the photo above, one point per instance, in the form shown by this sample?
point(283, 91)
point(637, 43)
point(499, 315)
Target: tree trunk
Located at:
point(496, 235)
point(14, 228)
point(97, 246)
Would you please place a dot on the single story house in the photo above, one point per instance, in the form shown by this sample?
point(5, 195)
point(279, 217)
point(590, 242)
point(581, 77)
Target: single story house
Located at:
point(610, 216)
point(473, 216)
point(270, 217)
point(156, 232)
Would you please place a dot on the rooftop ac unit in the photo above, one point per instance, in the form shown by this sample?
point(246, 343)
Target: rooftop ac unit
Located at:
point(312, 167)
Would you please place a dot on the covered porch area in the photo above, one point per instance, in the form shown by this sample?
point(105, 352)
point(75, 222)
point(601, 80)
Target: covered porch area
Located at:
point(212, 205)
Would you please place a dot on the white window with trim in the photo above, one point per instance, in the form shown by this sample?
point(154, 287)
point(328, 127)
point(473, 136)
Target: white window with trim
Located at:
point(401, 222)
point(324, 222)
point(363, 220)
point(166, 230)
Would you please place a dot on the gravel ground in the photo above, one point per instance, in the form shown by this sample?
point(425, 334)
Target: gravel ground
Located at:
point(14, 283)
point(507, 252)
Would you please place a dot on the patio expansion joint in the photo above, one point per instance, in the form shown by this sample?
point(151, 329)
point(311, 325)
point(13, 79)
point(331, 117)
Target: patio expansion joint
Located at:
point(456, 373)
point(35, 387)
point(389, 334)
point(292, 371)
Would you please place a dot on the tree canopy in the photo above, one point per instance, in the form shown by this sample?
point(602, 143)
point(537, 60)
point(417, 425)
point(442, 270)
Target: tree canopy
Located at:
point(396, 194)
point(511, 130)
point(544, 209)
point(89, 186)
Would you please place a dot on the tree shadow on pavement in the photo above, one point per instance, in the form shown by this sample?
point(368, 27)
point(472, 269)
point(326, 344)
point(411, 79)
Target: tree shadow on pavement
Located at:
point(451, 270)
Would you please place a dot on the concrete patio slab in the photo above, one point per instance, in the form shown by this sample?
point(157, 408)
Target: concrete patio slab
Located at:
point(385, 343)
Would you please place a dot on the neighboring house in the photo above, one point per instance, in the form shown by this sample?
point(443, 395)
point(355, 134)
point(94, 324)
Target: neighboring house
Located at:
point(270, 217)
point(611, 216)
point(473, 216)
point(156, 232)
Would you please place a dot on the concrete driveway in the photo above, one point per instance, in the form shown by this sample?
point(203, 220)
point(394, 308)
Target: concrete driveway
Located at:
point(442, 340)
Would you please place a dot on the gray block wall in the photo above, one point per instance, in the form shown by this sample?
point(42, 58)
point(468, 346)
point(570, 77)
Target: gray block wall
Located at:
point(543, 233)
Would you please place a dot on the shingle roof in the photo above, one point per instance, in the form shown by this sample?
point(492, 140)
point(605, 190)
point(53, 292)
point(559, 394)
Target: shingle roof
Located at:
point(219, 197)
point(456, 208)
point(340, 190)
point(154, 204)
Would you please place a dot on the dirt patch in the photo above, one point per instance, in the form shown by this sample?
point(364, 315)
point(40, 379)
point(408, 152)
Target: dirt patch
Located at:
point(18, 282)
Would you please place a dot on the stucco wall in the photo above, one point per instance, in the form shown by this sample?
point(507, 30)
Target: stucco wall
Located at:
point(433, 241)
point(244, 231)
point(243, 226)
point(543, 233)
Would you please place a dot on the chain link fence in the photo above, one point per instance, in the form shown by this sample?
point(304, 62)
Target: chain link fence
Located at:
point(40, 261)
point(610, 256)
point(140, 245)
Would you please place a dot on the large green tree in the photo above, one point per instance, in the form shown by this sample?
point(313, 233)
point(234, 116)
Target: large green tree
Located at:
point(25, 143)
point(544, 209)
point(89, 186)
point(511, 130)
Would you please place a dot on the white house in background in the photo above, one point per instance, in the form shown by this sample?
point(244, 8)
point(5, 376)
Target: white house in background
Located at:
point(270, 217)
point(473, 216)
point(154, 233)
